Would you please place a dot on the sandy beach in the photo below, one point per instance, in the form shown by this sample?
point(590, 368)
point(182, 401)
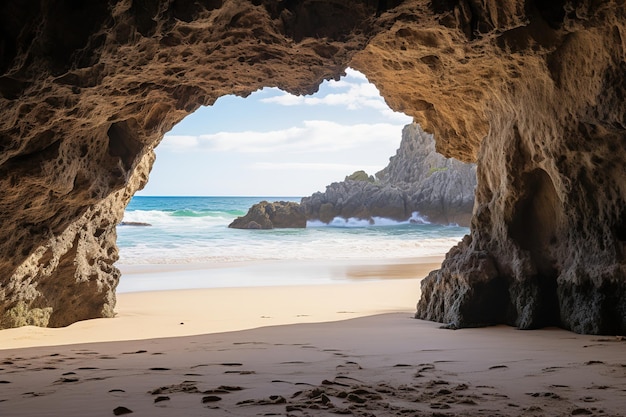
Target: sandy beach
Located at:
point(345, 348)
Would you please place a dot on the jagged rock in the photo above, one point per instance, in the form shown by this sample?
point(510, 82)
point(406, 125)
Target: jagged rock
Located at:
point(360, 176)
point(417, 179)
point(266, 215)
point(533, 91)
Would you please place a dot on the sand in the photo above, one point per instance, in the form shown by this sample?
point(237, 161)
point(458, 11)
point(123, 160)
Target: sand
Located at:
point(349, 348)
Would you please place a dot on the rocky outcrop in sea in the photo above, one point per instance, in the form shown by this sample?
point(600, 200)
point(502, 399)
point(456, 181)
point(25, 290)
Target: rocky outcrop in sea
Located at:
point(266, 215)
point(417, 179)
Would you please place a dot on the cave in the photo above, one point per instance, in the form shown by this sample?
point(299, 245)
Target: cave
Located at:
point(533, 93)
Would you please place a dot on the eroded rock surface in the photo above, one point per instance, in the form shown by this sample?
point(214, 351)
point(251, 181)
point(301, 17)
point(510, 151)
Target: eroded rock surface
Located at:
point(534, 91)
point(417, 179)
point(266, 215)
point(547, 237)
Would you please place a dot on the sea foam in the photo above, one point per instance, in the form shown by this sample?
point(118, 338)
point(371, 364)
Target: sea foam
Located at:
point(195, 230)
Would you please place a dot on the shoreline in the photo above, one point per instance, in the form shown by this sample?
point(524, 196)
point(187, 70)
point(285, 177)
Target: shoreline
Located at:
point(335, 290)
point(154, 277)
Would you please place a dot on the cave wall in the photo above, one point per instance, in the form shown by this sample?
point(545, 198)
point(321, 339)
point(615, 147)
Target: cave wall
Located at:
point(88, 89)
point(533, 91)
point(547, 243)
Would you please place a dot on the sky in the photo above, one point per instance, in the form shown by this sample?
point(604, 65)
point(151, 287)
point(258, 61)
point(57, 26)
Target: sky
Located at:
point(276, 144)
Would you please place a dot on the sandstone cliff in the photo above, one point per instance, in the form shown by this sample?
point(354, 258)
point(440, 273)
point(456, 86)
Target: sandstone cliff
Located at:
point(533, 91)
point(417, 179)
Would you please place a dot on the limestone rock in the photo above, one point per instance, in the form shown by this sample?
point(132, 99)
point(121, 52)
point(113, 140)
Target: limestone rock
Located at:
point(417, 179)
point(266, 215)
point(532, 91)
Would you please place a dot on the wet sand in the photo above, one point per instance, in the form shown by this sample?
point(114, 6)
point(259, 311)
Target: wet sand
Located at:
point(349, 348)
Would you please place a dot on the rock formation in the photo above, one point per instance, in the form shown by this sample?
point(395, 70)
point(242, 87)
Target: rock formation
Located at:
point(266, 215)
point(533, 91)
point(417, 179)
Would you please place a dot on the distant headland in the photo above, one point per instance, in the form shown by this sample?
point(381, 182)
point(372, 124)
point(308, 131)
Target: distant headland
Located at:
point(417, 183)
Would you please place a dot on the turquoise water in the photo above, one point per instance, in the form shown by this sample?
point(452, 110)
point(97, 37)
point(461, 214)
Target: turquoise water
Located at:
point(186, 230)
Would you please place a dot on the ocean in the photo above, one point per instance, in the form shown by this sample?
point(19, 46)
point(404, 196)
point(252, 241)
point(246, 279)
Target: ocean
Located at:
point(188, 230)
point(191, 233)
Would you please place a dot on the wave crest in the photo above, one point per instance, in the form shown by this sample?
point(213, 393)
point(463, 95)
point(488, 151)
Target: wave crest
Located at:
point(415, 218)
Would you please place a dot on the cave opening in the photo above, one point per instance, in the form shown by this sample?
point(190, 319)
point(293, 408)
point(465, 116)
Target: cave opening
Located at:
point(271, 145)
point(277, 144)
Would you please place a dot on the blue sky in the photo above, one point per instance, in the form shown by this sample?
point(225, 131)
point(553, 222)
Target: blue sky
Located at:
point(276, 144)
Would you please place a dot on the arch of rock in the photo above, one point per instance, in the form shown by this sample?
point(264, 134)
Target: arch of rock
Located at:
point(531, 90)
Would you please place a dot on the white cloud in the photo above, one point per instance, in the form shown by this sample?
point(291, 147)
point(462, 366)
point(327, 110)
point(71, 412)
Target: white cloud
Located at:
point(311, 136)
point(314, 166)
point(357, 94)
point(180, 142)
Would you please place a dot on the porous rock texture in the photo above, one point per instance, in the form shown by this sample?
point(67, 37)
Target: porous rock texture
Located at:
point(532, 90)
point(416, 180)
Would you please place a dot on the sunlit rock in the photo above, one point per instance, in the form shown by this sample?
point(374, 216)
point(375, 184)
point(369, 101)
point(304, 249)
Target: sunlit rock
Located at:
point(417, 180)
point(276, 215)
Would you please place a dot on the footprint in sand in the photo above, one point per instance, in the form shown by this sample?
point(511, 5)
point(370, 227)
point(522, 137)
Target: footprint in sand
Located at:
point(223, 389)
point(33, 394)
point(581, 412)
point(550, 395)
point(65, 380)
point(185, 386)
point(135, 353)
point(211, 399)
point(327, 382)
point(120, 411)
point(589, 399)
point(423, 367)
point(271, 400)
point(551, 369)
point(349, 366)
point(86, 353)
